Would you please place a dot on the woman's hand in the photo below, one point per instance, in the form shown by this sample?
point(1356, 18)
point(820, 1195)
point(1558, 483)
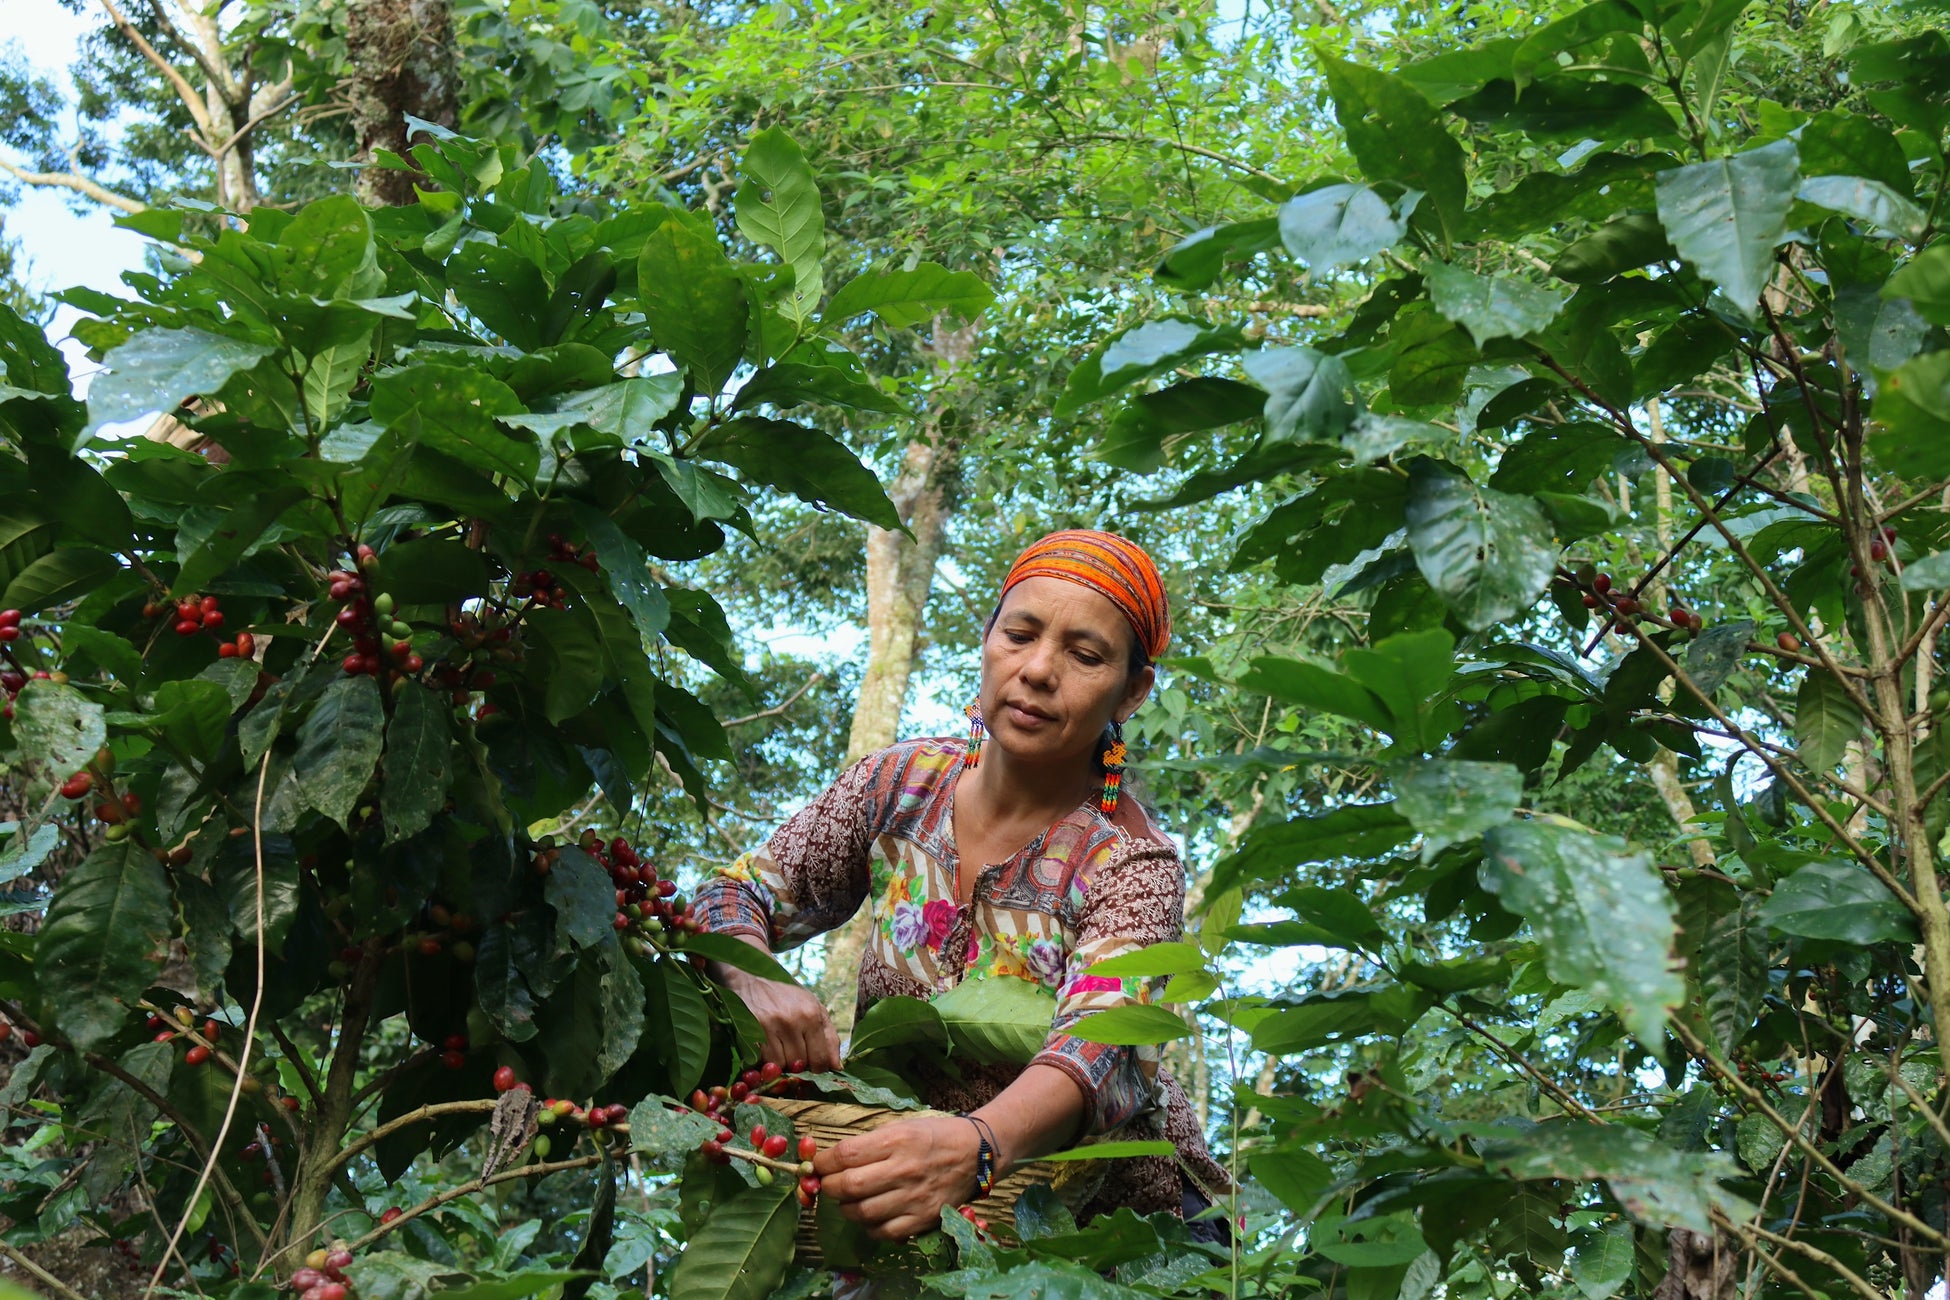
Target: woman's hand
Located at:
point(796, 1026)
point(895, 1180)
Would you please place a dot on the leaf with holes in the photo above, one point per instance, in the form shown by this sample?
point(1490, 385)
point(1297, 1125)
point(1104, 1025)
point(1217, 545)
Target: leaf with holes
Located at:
point(1486, 553)
point(1726, 215)
point(103, 943)
point(1825, 720)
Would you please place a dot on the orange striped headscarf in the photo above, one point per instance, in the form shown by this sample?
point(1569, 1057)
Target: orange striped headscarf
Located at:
point(1106, 563)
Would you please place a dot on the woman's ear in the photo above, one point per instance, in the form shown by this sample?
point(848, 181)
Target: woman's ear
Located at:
point(1136, 692)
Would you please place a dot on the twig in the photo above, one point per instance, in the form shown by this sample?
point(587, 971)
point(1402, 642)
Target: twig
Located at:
point(433, 1110)
point(1752, 1096)
point(250, 1031)
point(198, 109)
point(74, 181)
point(778, 708)
point(45, 1278)
point(468, 1189)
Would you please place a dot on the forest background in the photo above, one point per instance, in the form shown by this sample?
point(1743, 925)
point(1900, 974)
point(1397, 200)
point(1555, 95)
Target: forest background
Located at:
point(1547, 941)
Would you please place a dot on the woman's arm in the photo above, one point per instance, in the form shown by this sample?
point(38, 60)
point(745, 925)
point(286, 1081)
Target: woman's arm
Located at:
point(896, 1179)
point(795, 1022)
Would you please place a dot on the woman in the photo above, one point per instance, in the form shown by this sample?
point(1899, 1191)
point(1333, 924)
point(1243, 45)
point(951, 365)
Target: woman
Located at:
point(1009, 855)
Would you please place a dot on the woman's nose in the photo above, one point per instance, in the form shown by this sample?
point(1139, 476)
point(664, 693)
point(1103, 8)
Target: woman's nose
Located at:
point(1039, 665)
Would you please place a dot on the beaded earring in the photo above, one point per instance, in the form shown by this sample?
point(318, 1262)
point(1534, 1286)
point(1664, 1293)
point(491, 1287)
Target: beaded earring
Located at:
point(976, 734)
point(1114, 757)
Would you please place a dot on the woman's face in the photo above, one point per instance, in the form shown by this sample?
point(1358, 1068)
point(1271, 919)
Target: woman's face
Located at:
point(1056, 667)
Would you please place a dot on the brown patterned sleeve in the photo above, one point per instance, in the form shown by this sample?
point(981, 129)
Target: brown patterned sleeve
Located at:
point(1134, 899)
point(810, 876)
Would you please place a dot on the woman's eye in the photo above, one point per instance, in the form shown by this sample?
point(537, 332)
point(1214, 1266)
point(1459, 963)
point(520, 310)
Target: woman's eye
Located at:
point(1087, 659)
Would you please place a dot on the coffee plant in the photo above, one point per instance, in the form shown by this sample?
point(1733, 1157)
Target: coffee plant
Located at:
point(294, 694)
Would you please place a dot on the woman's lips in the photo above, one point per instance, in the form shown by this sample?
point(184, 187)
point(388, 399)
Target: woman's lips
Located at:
point(1026, 716)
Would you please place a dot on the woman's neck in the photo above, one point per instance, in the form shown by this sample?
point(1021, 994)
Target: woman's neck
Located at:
point(1005, 791)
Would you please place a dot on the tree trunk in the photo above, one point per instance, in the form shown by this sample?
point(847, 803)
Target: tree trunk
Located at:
point(900, 574)
point(402, 63)
point(1699, 1266)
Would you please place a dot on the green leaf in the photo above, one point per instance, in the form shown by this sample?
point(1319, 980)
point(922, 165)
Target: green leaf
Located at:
point(450, 408)
point(1123, 1150)
point(1868, 201)
point(997, 1018)
point(1600, 911)
point(583, 897)
point(1655, 1184)
point(694, 300)
point(191, 716)
point(777, 205)
point(1925, 281)
point(1368, 1242)
point(339, 745)
point(103, 942)
point(737, 953)
point(1624, 243)
point(1929, 573)
point(742, 1250)
point(1309, 394)
point(57, 725)
point(792, 383)
point(1825, 720)
point(504, 289)
point(1396, 135)
point(1911, 432)
point(417, 763)
point(1339, 225)
point(569, 663)
point(813, 466)
point(1569, 110)
point(1711, 658)
point(1340, 913)
point(659, 1127)
point(1486, 553)
point(904, 299)
point(1562, 457)
point(1500, 307)
point(1136, 437)
point(625, 569)
point(1138, 354)
point(1733, 973)
point(1195, 261)
point(896, 1022)
point(1294, 1174)
point(1316, 687)
point(1602, 1267)
point(432, 571)
point(1432, 361)
point(1725, 216)
point(1579, 28)
point(1876, 333)
point(1130, 1026)
point(1170, 958)
point(235, 535)
point(1450, 801)
point(1269, 852)
point(158, 369)
point(58, 577)
point(1839, 901)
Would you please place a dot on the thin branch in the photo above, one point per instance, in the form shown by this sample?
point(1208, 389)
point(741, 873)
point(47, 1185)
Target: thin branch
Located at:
point(1752, 1096)
point(75, 181)
point(252, 124)
point(1816, 1255)
point(778, 708)
point(219, 77)
point(433, 1110)
point(1119, 137)
point(41, 1275)
point(540, 1170)
point(1755, 747)
point(199, 111)
point(250, 1031)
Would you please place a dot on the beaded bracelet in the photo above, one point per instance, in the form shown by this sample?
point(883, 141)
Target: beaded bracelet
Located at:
point(985, 1154)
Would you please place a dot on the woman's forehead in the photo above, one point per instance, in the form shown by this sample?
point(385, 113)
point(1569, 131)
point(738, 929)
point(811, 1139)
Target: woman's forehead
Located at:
point(1067, 606)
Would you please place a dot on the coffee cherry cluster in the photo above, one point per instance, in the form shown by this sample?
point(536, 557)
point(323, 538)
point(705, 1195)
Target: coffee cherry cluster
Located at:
point(975, 1221)
point(323, 1275)
point(557, 1111)
point(28, 1038)
point(13, 677)
point(202, 1043)
point(565, 552)
point(539, 587)
point(647, 905)
point(368, 620)
point(768, 1150)
point(1880, 547)
point(9, 626)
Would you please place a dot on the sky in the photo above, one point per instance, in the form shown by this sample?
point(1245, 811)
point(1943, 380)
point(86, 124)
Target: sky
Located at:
point(62, 246)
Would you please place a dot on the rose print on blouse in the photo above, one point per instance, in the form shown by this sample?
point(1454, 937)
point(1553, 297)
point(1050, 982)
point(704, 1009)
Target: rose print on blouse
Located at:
point(909, 929)
point(939, 915)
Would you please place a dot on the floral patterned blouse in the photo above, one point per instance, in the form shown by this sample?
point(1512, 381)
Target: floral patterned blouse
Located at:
point(1083, 891)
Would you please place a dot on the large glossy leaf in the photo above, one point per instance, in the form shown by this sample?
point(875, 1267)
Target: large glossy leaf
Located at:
point(417, 768)
point(1840, 901)
point(103, 942)
point(1911, 433)
point(1138, 433)
point(1825, 720)
point(660, 1128)
point(813, 466)
point(1309, 394)
point(1339, 225)
point(1268, 852)
point(1450, 800)
point(1576, 29)
point(1131, 1026)
point(694, 299)
point(741, 1251)
point(903, 299)
point(58, 577)
point(1198, 259)
point(1491, 307)
point(1602, 1267)
point(627, 410)
point(1872, 202)
point(1622, 244)
point(1294, 1174)
point(777, 205)
point(1569, 110)
point(1925, 281)
point(1141, 352)
point(1733, 973)
point(997, 1019)
point(676, 1014)
point(1396, 135)
point(450, 408)
point(1486, 553)
point(1726, 215)
point(339, 746)
point(1655, 1184)
point(158, 369)
point(1557, 457)
point(57, 725)
point(1599, 909)
point(787, 384)
point(897, 1022)
point(1316, 687)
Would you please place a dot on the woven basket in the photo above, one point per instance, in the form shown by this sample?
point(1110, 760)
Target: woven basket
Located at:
point(833, 1121)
